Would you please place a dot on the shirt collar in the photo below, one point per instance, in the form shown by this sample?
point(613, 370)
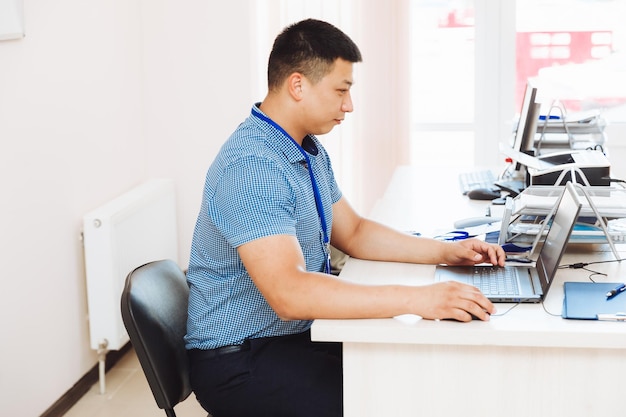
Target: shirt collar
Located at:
point(283, 143)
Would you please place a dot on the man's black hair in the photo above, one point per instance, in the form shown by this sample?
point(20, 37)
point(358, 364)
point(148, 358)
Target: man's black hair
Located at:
point(309, 47)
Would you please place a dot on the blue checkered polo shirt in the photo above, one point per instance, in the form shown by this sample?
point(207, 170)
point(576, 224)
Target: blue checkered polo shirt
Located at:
point(258, 185)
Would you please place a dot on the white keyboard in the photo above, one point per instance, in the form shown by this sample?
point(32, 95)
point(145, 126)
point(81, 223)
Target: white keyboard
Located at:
point(476, 179)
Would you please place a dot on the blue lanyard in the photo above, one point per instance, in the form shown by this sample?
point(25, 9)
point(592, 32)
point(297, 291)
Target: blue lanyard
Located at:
point(316, 192)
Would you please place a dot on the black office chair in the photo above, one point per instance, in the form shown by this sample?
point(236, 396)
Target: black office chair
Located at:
point(154, 311)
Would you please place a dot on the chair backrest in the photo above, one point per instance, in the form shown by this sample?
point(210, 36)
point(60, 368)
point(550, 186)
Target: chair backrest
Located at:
point(154, 311)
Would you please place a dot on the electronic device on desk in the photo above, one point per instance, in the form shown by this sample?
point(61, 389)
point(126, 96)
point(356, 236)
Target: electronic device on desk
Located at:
point(538, 134)
point(473, 180)
point(546, 168)
point(525, 283)
point(478, 186)
point(484, 181)
point(588, 167)
point(489, 194)
point(524, 139)
point(513, 187)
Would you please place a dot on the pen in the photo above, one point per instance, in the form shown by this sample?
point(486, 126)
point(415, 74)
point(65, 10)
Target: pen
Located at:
point(612, 317)
point(620, 288)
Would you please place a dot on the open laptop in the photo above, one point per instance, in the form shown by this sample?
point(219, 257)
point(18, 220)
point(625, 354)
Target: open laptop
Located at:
point(527, 283)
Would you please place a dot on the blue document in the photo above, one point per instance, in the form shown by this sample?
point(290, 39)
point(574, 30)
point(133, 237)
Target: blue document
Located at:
point(589, 301)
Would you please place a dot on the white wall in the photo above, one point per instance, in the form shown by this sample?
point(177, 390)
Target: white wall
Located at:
point(98, 97)
point(102, 95)
point(381, 116)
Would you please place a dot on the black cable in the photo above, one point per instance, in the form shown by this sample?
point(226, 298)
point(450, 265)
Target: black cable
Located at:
point(597, 147)
point(616, 180)
point(582, 265)
point(594, 273)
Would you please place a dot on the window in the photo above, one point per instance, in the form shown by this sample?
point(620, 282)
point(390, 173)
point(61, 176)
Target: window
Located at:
point(575, 49)
point(443, 83)
point(471, 60)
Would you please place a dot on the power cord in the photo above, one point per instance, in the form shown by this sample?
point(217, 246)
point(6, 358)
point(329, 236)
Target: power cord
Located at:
point(547, 312)
point(596, 147)
point(579, 265)
point(519, 303)
point(617, 180)
point(583, 265)
point(506, 311)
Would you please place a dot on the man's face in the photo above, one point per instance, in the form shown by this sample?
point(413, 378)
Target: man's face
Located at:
point(327, 102)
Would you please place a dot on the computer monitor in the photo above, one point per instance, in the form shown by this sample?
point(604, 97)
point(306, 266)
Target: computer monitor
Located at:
point(527, 126)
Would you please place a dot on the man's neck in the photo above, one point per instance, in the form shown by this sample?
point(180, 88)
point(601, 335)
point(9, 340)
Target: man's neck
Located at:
point(281, 115)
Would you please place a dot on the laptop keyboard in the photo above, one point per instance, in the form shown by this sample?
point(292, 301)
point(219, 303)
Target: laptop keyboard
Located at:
point(495, 281)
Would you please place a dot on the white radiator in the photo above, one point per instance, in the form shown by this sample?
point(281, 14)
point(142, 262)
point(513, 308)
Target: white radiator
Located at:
point(137, 227)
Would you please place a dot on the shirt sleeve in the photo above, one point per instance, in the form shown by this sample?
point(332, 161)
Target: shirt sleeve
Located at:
point(253, 199)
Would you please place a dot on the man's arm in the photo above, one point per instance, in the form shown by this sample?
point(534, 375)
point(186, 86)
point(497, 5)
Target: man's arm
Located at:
point(277, 267)
point(365, 239)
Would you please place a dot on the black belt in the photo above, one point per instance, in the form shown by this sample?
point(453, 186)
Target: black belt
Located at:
point(224, 350)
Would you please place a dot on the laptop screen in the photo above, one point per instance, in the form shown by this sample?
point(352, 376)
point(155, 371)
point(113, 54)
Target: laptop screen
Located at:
point(558, 235)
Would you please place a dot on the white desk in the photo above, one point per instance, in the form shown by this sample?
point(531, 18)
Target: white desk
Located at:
point(524, 363)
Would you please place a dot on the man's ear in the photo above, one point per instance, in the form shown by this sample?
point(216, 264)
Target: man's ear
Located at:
point(295, 83)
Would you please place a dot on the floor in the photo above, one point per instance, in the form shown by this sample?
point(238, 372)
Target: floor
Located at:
point(128, 395)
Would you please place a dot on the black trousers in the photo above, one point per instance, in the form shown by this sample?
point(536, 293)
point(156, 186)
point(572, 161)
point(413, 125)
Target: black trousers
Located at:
point(286, 376)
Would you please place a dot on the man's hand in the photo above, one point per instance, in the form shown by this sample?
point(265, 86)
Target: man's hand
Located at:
point(472, 252)
point(454, 300)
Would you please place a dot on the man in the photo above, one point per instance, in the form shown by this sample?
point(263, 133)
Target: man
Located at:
point(258, 272)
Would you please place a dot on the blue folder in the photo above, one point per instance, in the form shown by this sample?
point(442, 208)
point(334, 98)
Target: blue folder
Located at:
point(588, 301)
